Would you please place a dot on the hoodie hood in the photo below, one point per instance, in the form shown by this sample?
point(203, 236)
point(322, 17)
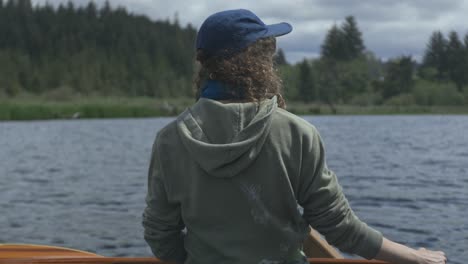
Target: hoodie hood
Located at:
point(225, 139)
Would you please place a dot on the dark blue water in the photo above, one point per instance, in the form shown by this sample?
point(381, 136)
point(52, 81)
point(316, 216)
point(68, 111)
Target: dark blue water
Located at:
point(81, 184)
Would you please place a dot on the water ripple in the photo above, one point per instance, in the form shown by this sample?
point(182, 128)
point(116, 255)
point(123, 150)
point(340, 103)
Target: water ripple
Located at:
point(82, 183)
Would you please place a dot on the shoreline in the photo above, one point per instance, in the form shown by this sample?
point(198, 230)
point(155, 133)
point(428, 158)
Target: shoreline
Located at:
point(92, 108)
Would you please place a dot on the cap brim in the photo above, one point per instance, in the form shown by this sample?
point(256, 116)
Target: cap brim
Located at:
point(280, 29)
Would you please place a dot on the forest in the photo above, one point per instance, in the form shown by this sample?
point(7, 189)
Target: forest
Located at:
point(91, 51)
point(348, 73)
point(61, 53)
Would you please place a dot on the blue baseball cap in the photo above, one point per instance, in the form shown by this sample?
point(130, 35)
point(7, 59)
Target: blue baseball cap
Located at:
point(227, 32)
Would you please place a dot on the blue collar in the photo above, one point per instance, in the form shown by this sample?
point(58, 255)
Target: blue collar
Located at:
point(217, 90)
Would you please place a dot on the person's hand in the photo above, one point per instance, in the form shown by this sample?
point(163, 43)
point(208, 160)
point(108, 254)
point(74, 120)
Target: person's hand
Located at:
point(396, 253)
point(430, 257)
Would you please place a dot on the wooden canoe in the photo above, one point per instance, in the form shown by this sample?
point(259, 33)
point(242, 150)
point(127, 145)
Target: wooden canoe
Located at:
point(314, 247)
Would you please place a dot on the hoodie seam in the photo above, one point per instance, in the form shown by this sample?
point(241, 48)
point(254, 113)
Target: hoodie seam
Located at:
point(238, 119)
point(226, 159)
point(237, 128)
point(161, 168)
point(194, 125)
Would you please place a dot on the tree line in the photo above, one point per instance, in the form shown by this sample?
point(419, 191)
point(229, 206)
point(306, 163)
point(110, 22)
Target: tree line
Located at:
point(346, 72)
point(92, 51)
point(99, 51)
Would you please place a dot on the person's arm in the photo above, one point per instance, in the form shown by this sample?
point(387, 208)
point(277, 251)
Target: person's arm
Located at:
point(162, 219)
point(393, 252)
point(327, 210)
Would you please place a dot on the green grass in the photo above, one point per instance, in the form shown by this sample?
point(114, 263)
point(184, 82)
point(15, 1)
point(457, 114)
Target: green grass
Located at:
point(315, 109)
point(34, 108)
point(38, 109)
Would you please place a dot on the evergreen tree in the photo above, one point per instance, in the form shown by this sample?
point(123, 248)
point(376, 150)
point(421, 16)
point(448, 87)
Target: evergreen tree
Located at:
point(353, 39)
point(465, 69)
point(329, 89)
point(466, 41)
point(456, 60)
point(91, 10)
point(343, 43)
point(435, 55)
point(398, 77)
point(334, 45)
point(307, 89)
point(24, 5)
point(106, 9)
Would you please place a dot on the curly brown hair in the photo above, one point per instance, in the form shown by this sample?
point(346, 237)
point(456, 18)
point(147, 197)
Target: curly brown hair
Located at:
point(250, 74)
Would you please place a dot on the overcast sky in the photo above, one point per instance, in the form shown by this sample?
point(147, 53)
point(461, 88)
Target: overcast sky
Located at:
point(390, 27)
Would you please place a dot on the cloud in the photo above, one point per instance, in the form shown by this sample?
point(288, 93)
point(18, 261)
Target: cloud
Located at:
point(390, 27)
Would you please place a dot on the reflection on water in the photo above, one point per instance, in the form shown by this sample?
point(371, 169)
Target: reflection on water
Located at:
point(81, 183)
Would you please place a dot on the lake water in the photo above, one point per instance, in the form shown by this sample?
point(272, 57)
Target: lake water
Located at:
point(81, 183)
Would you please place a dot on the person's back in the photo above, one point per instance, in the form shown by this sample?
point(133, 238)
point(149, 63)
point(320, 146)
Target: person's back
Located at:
point(239, 175)
point(233, 168)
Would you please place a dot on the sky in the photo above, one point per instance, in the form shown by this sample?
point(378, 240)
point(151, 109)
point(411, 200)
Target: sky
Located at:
point(390, 28)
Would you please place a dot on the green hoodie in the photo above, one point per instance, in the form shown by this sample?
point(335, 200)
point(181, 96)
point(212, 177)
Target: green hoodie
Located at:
point(233, 175)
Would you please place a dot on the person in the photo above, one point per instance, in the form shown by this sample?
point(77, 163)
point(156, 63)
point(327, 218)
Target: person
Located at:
point(226, 177)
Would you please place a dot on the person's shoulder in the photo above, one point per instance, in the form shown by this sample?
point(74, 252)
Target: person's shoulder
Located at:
point(167, 135)
point(288, 119)
point(170, 129)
